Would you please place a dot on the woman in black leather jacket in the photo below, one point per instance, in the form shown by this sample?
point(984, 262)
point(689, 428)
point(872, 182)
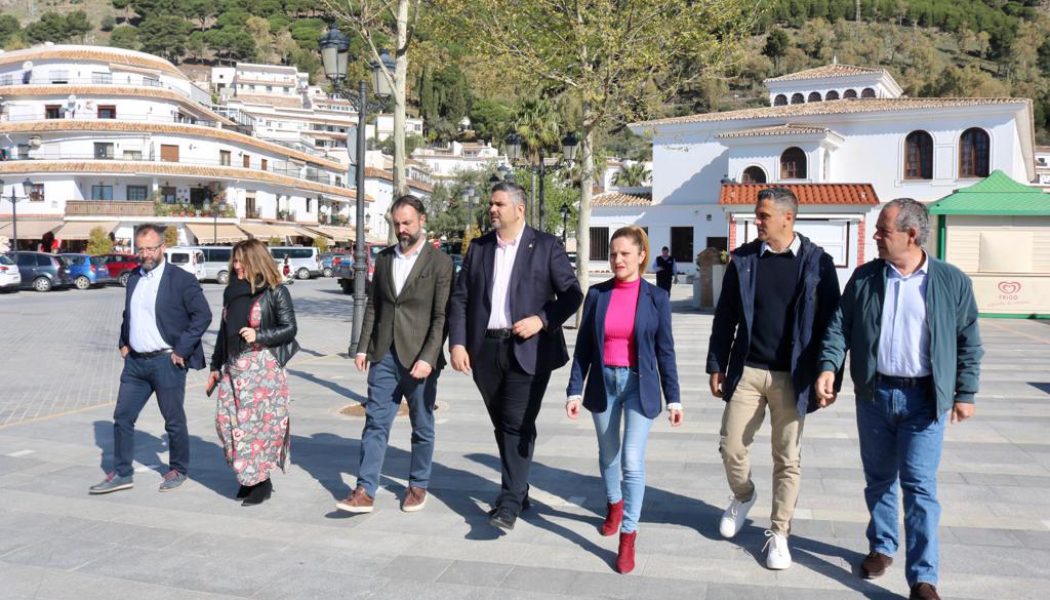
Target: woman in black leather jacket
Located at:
point(256, 339)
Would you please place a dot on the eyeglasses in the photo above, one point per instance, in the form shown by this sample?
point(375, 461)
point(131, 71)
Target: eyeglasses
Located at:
point(149, 249)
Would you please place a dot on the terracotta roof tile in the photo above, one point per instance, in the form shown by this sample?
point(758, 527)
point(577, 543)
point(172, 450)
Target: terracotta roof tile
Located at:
point(834, 70)
point(834, 107)
point(281, 101)
point(843, 194)
point(60, 125)
point(170, 168)
point(389, 176)
point(90, 53)
point(621, 199)
point(786, 129)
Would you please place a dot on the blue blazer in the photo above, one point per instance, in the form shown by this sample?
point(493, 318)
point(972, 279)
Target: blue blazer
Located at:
point(182, 313)
point(653, 341)
point(542, 284)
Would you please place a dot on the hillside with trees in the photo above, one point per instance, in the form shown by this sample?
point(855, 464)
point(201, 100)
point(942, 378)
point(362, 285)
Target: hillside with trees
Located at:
point(932, 48)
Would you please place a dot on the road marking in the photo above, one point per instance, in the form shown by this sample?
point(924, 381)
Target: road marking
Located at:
point(20, 453)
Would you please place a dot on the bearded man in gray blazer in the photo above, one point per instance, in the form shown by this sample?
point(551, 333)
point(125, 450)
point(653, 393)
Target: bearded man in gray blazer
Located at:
point(402, 338)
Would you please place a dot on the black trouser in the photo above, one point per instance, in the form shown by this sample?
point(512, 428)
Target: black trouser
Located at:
point(513, 399)
point(664, 281)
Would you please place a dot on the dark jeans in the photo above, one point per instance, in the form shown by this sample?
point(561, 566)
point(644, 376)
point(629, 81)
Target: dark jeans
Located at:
point(141, 378)
point(664, 281)
point(512, 398)
point(388, 383)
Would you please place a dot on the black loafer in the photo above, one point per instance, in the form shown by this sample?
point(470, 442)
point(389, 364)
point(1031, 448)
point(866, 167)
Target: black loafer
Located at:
point(504, 519)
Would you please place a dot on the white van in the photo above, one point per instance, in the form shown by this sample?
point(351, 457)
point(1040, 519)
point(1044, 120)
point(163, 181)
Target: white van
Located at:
point(304, 261)
point(216, 262)
point(188, 259)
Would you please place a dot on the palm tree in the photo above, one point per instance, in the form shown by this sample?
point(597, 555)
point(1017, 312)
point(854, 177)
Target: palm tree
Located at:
point(537, 122)
point(632, 175)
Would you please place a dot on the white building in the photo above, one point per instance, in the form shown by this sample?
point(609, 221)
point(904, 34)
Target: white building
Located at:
point(921, 148)
point(446, 163)
point(115, 138)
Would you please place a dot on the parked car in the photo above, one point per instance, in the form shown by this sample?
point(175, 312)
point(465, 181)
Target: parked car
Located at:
point(10, 276)
point(330, 259)
point(188, 259)
point(216, 262)
point(87, 271)
point(40, 271)
point(305, 261)
point(344, 271)
point(120, 266)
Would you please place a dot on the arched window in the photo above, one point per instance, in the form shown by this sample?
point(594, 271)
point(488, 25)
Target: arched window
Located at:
point(797, 98)
point(918, 155)
point(849, 94)
point(780, 100)
point(753, 174)
point(793, 163)
point(867, 93)
point(832, 95)
point(973, 153)
point(814, 97)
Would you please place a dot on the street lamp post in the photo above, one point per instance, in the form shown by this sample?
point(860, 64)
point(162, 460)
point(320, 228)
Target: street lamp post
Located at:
point(335, 56)
point(564, 222)
point(27, 190)
point(513, 143)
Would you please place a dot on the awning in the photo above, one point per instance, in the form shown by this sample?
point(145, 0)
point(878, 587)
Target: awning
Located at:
point(265, 231)
point(81, 230)
point(304, 232)
point(338, 234)
point(996, 195)
point(30, 230)
point(223, 233)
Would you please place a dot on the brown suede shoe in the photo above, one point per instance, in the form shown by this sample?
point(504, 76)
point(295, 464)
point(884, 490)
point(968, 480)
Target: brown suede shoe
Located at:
point(874, 565)
point(357, 502)
point(415, 499)
point(924, 591)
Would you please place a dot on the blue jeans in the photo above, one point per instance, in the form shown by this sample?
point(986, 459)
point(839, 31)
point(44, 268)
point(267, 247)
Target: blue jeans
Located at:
point(901, 437)
point(388, 383)
point(140, 379)
point(623, 402)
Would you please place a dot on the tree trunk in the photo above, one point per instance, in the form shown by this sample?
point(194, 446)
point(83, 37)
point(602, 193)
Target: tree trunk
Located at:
point(583, 221)
point(400, 97)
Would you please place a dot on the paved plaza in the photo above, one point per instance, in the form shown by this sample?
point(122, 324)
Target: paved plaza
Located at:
point(59, 377)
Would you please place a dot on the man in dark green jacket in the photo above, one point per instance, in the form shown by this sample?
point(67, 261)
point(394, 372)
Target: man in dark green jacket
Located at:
point(910, 324)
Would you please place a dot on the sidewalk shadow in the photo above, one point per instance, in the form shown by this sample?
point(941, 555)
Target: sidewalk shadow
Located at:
point(207, 465)
point(331, 385)
point(329, 457)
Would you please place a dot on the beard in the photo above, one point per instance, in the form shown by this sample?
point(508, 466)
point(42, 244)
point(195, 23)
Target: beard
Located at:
point(406, 241)
point(148, 264)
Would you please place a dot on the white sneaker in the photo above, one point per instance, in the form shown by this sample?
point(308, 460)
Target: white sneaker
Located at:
point(733, 517)
point(778, 556)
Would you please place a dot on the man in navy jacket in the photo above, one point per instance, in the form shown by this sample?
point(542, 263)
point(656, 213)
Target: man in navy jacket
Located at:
point(515, 290)
point(779, 293)
point(165, 315)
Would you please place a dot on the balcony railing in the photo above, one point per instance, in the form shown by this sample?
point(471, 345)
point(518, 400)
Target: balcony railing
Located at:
point(285, 168)
point(82, 114)
point(129, 208)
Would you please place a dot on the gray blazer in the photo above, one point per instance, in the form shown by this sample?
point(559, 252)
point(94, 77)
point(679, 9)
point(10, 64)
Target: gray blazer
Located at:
point(414, 320)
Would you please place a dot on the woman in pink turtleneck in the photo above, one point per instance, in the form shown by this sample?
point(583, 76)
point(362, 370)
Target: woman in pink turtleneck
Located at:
point(623, 364)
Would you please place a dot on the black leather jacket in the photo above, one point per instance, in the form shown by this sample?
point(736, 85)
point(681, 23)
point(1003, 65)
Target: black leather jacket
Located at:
point(276, 330)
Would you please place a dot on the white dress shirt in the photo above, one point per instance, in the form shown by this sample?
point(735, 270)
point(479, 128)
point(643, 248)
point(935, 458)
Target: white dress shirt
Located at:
point(793, 247)
point(904, 340)
point(502, 268)
point(403, 264)
point(143, 333)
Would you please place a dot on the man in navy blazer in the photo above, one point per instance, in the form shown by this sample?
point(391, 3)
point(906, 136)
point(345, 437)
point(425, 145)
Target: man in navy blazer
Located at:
point(165, 315)
point(514, 291)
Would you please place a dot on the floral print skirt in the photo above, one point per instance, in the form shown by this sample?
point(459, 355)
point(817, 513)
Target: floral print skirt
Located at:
point(252, 415)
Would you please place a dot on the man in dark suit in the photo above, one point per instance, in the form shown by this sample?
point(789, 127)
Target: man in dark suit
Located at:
point(514, 291)
point(403, 332)
point(165, 315)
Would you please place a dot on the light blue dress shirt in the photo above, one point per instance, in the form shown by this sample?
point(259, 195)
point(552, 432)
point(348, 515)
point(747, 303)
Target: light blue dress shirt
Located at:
point(143, 333)
point(904, 340)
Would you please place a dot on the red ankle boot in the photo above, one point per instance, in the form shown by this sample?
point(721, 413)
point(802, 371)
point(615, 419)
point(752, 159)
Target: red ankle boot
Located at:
point(625, 557)
point(612, 519)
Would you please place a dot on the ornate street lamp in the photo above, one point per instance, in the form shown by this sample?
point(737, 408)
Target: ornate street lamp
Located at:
point(335, 58)
point(27, 192)
point(569, 145)
point(564, 222)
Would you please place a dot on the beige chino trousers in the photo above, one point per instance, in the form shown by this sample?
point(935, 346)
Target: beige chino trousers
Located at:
point(744, 413)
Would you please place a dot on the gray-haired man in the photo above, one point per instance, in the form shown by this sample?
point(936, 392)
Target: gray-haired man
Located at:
point(909, 322)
